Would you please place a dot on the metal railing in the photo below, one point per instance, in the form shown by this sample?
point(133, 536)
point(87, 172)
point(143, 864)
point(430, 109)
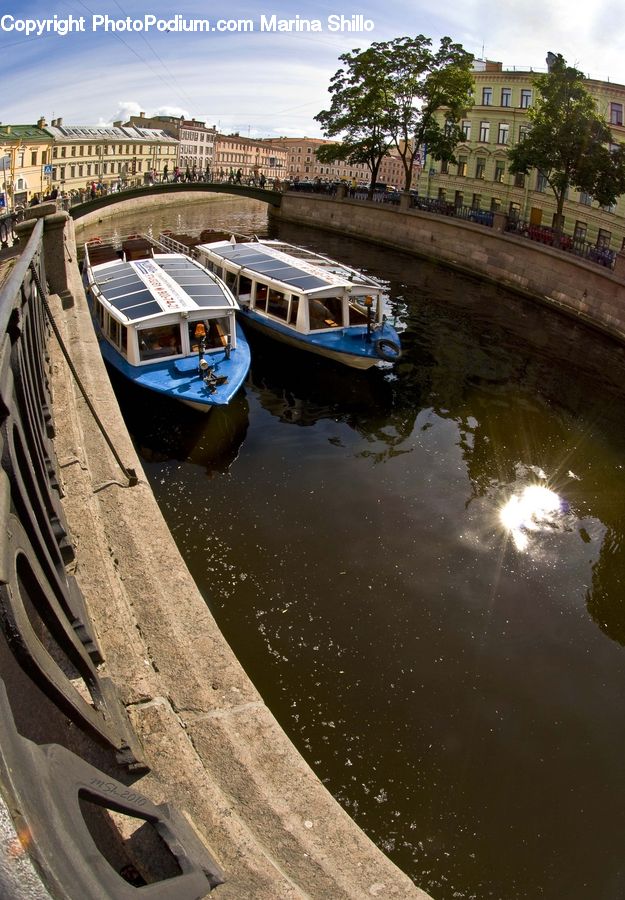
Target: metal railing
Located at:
point(542, 234)
point(599, 254)
point(7, 229)
point(68, 755)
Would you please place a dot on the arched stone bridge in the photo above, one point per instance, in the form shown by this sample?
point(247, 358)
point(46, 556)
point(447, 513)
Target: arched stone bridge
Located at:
point(274, 198)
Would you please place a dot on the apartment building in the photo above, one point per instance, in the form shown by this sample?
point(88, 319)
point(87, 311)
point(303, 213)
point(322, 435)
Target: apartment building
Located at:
point(481, 178)
point(108, 154)
point(303, 165)
point(252, 157)
point(25, 170)
point(196, 140)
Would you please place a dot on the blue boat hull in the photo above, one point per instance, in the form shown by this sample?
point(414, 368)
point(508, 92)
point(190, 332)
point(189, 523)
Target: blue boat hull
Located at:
point(180, 378)
point(349, 346)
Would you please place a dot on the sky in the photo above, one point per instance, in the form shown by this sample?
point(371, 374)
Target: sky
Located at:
point(261, 83)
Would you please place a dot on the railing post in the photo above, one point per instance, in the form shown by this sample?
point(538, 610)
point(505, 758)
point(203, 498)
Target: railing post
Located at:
point(500, 220)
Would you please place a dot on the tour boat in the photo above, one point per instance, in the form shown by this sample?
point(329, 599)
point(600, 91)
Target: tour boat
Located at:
point(166, 323)
point(306, 300)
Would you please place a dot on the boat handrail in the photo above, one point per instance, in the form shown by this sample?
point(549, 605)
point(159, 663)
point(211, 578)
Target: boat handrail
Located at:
point(164, 242)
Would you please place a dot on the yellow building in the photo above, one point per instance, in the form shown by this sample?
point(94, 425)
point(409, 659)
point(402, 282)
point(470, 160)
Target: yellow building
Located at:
point(111, 155)
point(25, 170)
point(481, 178)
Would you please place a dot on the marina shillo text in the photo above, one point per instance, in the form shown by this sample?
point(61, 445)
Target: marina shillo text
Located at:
point(71, 24)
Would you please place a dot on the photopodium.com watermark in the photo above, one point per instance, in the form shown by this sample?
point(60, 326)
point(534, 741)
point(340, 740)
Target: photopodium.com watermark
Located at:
point(266, 22)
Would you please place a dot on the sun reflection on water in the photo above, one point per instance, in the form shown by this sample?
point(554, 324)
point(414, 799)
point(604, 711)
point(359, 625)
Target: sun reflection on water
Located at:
point(537, 508)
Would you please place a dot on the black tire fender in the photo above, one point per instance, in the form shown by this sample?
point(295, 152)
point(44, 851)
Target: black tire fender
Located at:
point(387, 350)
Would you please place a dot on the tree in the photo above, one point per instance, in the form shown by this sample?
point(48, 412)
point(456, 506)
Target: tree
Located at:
point(568, 142)
point(418, 84)
point(358, 113)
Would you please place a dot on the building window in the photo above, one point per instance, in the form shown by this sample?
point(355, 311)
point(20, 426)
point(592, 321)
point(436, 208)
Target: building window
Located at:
point(462, 166)
point(444, 167)
point(500, 170)
point(526, 98)
point(519, 180)
point(503, 133)
point(585, 199)
point(72, 171)
point(484, 132)
point(616, 113)
point(33, 158)
point(506, 96)
point(55, 152)
point(541, 182)
point(63, 151)
point(477, 201)
point(466, 127)
point(495, 204)
point(603, 239)
point(487, 96)
point(581, 229)
point(480, 168)
point(458, 199)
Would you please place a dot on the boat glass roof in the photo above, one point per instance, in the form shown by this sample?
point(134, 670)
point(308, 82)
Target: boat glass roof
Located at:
point(253, 257)
point(169, 283)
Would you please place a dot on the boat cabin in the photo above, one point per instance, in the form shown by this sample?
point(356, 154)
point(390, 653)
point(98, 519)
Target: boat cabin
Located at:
point(161, 307)
point(308, 293)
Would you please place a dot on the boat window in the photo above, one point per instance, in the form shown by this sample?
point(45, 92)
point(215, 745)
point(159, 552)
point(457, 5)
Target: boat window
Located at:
point(100, 314)
point(245, 286)
point(124, 339)
point(335, 305)
point(231, 280)
point(113, 330)
point(358, 310)
point(163, 340)
point(358, 314)
point(277, 304)
point(261, 297)
point(214, 331)
point(325, 314)
point(292, 319)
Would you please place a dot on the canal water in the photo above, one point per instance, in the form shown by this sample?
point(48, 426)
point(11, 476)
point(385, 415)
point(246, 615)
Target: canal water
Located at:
point(421, 569)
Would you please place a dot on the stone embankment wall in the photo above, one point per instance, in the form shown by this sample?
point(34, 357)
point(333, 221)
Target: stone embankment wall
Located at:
point(214, 748)
point(585, 290)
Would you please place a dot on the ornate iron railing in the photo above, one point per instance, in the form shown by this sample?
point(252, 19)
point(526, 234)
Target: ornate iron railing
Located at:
point(68, 756)
point(7, 229)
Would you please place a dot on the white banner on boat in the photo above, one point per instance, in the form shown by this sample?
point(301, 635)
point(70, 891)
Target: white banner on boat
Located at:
point(161, 285)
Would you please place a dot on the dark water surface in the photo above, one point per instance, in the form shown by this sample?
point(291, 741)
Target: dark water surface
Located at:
point(457, 684)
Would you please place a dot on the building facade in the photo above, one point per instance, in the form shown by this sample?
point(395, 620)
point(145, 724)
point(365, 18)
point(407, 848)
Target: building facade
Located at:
point(250, 158)
point(481, 178)
point(111, 155)
point(196, 140)
point(303, 165)
point(25, 170)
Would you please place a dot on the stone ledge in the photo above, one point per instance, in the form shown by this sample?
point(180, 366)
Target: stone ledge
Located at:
point(214, 748)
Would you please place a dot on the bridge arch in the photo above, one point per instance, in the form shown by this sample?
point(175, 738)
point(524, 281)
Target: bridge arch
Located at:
point(273, 198)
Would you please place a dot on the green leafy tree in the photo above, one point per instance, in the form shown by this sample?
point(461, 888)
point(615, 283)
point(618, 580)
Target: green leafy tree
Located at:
point(568, 142)
point(418, 84)
point(357, 113)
